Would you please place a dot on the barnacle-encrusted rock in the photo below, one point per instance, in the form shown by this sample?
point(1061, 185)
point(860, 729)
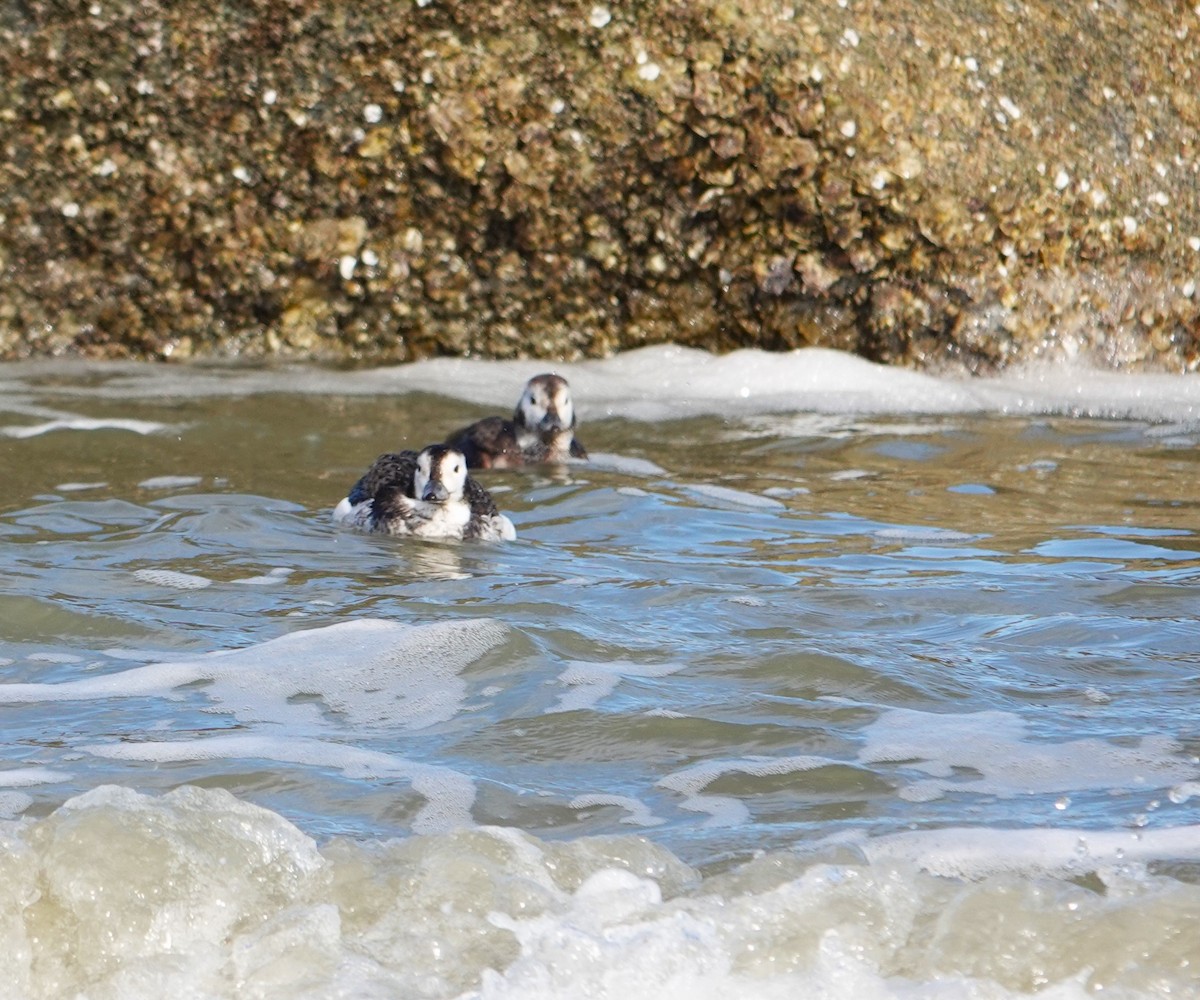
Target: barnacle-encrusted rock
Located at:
point(978, 181)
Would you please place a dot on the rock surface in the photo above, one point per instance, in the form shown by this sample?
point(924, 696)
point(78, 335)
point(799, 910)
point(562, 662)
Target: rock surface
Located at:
point(956, 181)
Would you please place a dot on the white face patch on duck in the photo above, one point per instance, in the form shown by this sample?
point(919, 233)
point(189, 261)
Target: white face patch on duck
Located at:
point(545, 409)
point(564, 408)
point(438, 507)
point(533, 406)
point(441, 475)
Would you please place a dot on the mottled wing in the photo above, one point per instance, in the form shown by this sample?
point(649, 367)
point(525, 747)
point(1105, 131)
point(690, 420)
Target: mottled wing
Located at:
point(487, 442)
point(393, 511)
point(358, 492)
point(390, 485)
point(394, 471)
point(479, 499)
point(483, 508)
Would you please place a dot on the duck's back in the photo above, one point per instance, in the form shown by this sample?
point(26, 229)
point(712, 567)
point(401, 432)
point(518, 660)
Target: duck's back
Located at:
point(488, 443)
point(394, 472)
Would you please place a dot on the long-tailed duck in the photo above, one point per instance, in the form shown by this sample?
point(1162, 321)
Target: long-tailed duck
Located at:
point(542, 429)
point(426, 493)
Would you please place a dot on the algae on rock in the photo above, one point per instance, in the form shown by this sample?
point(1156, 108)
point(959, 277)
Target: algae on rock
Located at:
point(967, 180)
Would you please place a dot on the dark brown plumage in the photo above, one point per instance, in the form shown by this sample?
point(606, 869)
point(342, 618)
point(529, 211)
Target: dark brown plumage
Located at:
point(542, 429)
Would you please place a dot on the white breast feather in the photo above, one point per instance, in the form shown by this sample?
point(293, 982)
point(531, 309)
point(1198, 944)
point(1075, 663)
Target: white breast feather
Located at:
point(356, 515)
point(439, 520)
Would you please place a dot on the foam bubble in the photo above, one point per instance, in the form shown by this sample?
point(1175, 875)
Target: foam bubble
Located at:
point(921, 533)
point(371, 673)
point(1184, 791)
point(996, 746)
point(725, 810)
point(639, 813)
point(199, 894)
point(12, 804)
point(79, 487)
point(976, 853)
point(169, 482)
point(664, 382)
point(173, 579)
point(626, 465)
point(269, 579)
point(50, 656)
point(170, 881)
point(82, 424)
point(589, 683)
point(742, 498)
point(449, 794)
point(23, 777)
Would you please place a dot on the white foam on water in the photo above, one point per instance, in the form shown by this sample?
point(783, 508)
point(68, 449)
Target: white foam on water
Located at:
point(144, 655)
point(79, 487)
point(173, 579)
point(12, 804)
point(741, 498)
point(724, 810)
point(977, 853)
point(998, 746)
point(196, 894)
point(369, 673)
point(82, 424)
point(588, 683)
point(668, 382)
point(24, 777)
point(639, 814)
point(921, 533)
point(271, 578)
point(169, 482)
point(1184, 791)
point(658, 383)
point(841, 426)
point(626, 465)
point(146, 893)
point(449, 794)
point(831, 932)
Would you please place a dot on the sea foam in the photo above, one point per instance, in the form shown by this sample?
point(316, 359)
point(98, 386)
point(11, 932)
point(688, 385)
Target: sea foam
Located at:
point(666, 382)
point(371, 673)
point(993, 753)
point(194, 893)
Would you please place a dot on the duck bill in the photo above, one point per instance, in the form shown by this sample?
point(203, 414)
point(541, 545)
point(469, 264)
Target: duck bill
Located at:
point(435, 493)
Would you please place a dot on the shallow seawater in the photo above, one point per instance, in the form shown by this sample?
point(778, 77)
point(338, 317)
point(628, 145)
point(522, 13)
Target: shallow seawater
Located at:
point(818, 680)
